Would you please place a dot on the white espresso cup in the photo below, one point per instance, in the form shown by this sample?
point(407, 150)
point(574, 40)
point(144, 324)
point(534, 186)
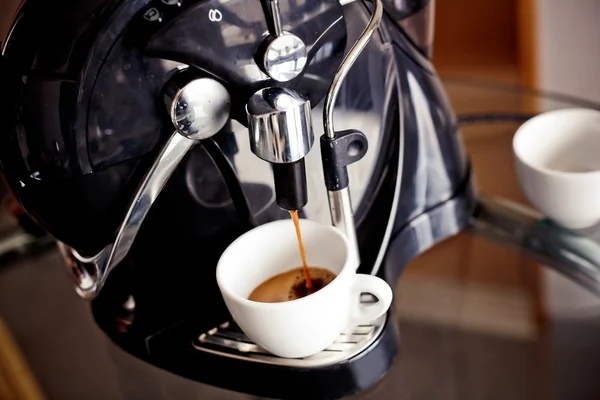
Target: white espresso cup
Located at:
point(305, 326)
point(558, 165)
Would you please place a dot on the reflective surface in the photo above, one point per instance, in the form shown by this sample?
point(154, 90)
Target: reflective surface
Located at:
point(90, 273)
point(449, 352)
point(417, 172)
point(413, 181)
point(417, 19)
point(573, 254)
point(228, 340)
point(340, 204)
point(285, 57)
point(199, 109)
point(280, 125)
point(342, 217)
point(75, 141)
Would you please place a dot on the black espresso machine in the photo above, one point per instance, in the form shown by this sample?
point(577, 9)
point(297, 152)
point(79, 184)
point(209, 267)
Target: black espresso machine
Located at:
point(146, 135)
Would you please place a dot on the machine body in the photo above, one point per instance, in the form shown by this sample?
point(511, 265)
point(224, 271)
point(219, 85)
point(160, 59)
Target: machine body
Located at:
point(170, 127)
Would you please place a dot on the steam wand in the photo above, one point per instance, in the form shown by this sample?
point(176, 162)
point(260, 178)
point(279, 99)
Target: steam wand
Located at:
point(340, 149)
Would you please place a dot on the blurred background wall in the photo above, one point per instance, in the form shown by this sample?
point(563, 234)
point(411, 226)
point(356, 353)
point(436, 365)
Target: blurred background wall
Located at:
point(567, 55)
point(550, 45)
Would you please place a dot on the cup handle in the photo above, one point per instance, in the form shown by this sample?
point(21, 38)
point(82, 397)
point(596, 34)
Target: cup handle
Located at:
point(367, 313)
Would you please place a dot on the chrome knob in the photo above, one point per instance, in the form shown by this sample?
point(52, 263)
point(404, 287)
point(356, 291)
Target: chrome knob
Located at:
point(285, 57)
point(199, 108)
point(280, 126)
point(285, 54)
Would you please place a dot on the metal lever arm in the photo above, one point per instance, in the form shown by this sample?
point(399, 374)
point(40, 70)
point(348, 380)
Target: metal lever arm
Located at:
point(275, 18)
point(199, 108)
point(90, 273)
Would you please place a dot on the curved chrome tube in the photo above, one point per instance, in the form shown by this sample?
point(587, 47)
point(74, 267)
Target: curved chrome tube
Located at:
point(513, 225)
point(90, 273)
point(346, 65)
point(340, 204)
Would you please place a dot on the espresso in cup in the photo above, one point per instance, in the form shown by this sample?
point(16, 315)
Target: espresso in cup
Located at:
point(265, 262)
point(294, 284)
point(291, 285)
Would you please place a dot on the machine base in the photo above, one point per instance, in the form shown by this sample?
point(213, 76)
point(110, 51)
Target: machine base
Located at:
point(225, 358)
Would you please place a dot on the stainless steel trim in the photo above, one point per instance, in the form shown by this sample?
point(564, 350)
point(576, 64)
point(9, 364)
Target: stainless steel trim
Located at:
point(573, 254)
point(279, 125)
point(396, 200)
point(90, 273)
point(228, 340)
point(346, 65)
point(276, 16)
point(340, 206)
point(198, 108)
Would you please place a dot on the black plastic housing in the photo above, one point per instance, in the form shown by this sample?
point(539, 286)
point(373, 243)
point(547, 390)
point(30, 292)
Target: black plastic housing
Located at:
point(290, 185)
point(346, 148)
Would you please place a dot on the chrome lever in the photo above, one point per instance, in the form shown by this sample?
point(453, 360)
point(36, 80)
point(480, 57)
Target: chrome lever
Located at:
point(90, 273)
point(198, 109)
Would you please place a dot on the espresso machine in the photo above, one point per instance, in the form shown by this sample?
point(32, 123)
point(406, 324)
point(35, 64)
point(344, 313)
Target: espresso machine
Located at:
point(146, 135)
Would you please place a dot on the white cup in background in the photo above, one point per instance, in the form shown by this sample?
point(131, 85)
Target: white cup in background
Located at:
point(558, 165)
point(305, 326)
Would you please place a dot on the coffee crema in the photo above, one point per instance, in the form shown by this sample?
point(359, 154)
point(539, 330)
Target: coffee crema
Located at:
point(291, 285)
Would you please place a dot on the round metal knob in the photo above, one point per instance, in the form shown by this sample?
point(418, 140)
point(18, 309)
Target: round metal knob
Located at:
point(280, 126)
point(285, 57)
point(199, 108)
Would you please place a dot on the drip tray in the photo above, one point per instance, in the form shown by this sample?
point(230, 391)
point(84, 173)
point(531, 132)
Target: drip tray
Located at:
point(228, 340)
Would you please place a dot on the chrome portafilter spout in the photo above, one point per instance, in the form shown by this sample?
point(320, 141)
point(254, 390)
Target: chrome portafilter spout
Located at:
point(279, 123)
point(199, 108)
point(279, 119)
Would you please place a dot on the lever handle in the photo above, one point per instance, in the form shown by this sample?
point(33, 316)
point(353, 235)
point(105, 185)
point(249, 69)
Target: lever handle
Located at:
point(90, 273)
point(199, 108)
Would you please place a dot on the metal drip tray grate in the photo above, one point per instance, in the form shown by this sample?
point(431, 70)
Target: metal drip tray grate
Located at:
point(228, 340)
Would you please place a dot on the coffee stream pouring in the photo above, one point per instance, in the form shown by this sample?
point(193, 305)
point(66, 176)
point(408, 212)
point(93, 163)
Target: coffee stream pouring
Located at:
point(146, 136)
